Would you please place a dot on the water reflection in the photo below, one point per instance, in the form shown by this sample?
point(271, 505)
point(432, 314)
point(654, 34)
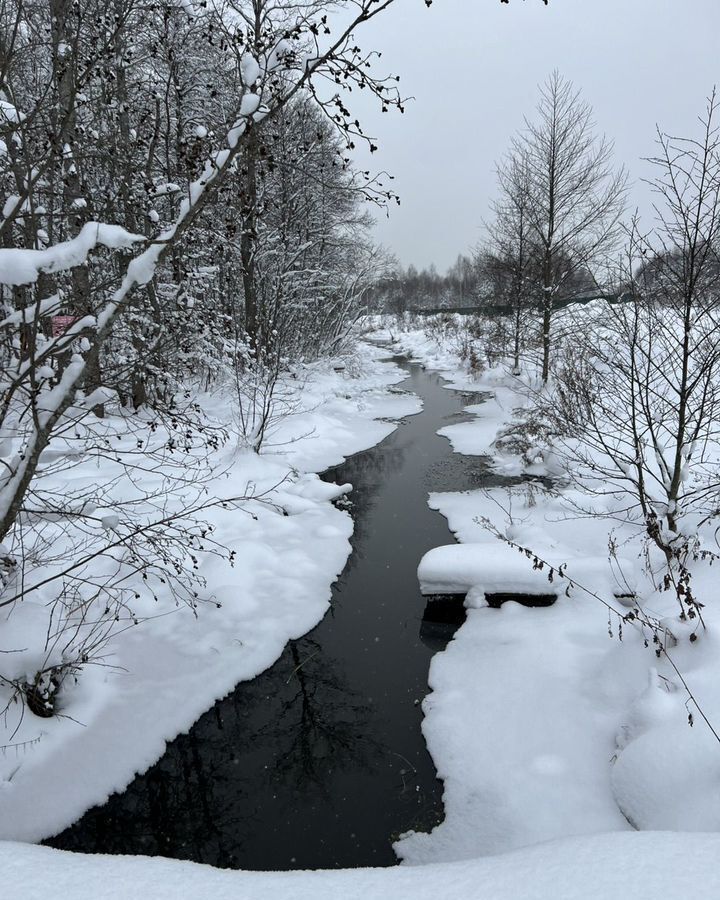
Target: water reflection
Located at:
point(367, 473)
point(320, 722)
point(223, 790)
point(320, 761)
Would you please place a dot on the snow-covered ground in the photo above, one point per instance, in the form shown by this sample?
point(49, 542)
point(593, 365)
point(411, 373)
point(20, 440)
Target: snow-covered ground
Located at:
point(554, 722)
point(601, 867)
point(160, 676)
point(555, 738)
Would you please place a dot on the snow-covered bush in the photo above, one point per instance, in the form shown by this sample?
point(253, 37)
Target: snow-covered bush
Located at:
point(631, 410)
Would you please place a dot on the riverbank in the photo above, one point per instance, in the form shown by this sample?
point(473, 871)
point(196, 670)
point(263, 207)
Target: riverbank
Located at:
point(155, 679)
point(320, 762)
point(557, 722)
point(526, 706)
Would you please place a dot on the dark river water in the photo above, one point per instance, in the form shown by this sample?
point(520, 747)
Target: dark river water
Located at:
point(320, 761)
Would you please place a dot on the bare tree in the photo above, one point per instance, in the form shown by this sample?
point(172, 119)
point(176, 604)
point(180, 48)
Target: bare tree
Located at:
point(293, 49)
point(576, 198)
point(642, 389)
point(61, 79)
point(127, 130)
point(510, 262)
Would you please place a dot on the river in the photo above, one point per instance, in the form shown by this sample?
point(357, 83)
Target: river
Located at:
point(320, 761)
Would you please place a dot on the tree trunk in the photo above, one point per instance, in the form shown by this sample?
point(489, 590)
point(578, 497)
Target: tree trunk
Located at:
point(247, 242)
point(547, 302)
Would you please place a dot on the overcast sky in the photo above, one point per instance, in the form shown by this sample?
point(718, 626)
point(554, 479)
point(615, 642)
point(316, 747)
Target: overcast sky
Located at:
point(473, 67)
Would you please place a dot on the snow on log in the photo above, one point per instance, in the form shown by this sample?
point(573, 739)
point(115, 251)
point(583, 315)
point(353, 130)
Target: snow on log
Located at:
point(458, 568)
point(496, 568)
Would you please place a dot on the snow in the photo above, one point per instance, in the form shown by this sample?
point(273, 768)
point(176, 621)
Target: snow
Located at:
point(236, 132)
point(281, 50)
point(489, 567)
point(492, 565)
point(249, 104)
point(249, 69)
point(554, 738)
point(10, 204)
point(44, 307)
point(19, 267)
point(602, 867)
point(520, 738)
point(687, 800)
point(187, 6)
point(160, 190)
point(667, 774)
point(10, 114)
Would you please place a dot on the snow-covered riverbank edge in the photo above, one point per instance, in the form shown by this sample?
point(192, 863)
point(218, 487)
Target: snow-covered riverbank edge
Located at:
point(167, 671)
point(540, 723)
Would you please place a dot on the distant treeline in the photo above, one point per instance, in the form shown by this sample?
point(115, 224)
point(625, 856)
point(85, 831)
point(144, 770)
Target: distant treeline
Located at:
point(470, 283)
point(506, 309)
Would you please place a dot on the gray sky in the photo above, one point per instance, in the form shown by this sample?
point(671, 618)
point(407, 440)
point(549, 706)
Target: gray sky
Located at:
point(473, 67)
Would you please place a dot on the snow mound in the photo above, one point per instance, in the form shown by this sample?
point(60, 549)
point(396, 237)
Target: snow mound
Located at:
point(667, 773)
